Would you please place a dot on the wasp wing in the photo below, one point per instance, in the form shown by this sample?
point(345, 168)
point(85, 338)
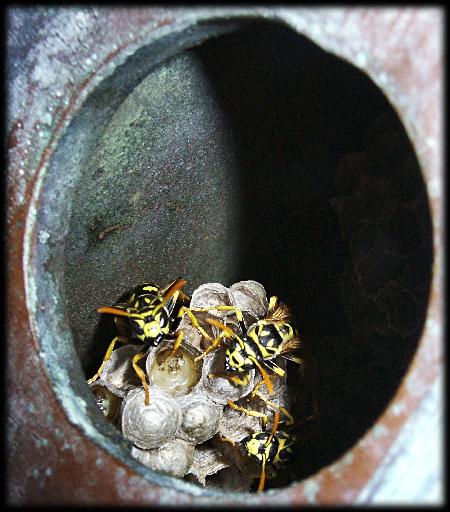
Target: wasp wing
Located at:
point(280, 313)
point(290, 345)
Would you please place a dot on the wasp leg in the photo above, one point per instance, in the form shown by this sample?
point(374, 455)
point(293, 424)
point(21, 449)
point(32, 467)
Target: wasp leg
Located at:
point(141, 374)
point(228, 440)
point(262, 479)
point(194, 321)
point(275, 369)
point(263, 374)
point(176, 346)
point(186, 299)
point(180, 295)
point(233, 378)
point(236, 447)
point(107, 356)
point(274, 405)
point(173, 301)
point(278, 407)
point(215, 344)
point(226, 331)
point(260, 383)
point(249, 412)
point(236, 310)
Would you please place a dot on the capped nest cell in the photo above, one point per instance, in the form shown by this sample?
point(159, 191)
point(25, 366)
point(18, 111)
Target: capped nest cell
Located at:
point(189, 429)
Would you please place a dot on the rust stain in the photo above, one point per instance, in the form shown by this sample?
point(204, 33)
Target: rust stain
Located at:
point(12, 139)
point(164, 21)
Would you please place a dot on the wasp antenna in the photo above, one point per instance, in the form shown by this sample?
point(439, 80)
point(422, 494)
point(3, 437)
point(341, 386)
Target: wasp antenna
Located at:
point(262, 479)
point(179, 283)
point(117, 312)
point(276, 421)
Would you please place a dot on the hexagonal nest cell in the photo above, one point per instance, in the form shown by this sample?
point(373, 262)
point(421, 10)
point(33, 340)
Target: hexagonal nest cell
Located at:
point(233, 151)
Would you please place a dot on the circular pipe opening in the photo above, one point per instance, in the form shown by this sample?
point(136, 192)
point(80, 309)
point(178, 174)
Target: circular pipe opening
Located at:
point(253, 155)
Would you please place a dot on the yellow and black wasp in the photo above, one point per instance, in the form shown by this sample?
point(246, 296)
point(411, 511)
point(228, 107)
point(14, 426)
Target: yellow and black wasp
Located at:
point(258, 346)
point(148, 315)
point(267, 448)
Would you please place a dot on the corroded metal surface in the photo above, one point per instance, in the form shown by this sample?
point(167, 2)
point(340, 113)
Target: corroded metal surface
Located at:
point(54, 456)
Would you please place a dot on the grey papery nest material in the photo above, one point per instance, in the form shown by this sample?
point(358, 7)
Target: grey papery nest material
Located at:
point(178, 433)
point(118, 375)
point(174, 457)
point(150, 426)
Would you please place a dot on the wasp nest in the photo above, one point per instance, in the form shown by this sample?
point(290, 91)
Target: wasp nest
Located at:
point(182, 431)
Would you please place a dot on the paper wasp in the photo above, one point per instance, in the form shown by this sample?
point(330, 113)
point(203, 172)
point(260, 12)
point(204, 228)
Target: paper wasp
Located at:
point(147, 316)
point(257, 346)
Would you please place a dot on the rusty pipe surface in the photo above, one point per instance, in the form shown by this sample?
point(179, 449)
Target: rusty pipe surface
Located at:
point(56, 57)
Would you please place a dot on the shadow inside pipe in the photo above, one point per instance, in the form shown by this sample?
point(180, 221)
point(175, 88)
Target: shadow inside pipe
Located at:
point(334, 219)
